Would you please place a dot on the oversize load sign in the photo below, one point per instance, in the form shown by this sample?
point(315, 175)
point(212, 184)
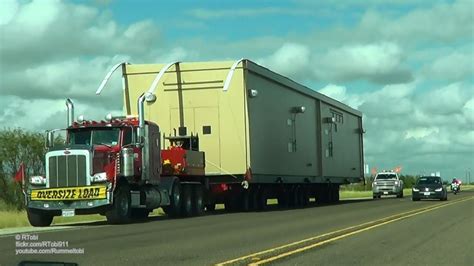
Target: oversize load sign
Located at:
point(70, 193)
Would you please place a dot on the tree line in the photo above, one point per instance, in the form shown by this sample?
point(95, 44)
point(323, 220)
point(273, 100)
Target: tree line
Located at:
point(19, 146)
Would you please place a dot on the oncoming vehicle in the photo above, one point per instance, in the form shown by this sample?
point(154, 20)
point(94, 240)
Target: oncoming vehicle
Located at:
point(429, 187)
point(387, 183)
point(456, 186)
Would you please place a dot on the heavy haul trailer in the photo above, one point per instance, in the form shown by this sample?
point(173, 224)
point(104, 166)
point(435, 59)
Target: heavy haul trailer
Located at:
point(263, 135)
point(199, 134)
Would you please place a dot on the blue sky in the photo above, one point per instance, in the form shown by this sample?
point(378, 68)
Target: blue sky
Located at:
point(407, 65)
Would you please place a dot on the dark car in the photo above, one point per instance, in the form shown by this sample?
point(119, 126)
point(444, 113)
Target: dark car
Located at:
point(429, 187)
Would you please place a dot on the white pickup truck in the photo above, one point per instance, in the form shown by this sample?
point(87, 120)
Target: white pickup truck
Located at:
point(387, 183)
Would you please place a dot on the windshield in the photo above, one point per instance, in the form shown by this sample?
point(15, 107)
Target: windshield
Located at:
point(386, 176)
point(429, 180)
point(96, 136)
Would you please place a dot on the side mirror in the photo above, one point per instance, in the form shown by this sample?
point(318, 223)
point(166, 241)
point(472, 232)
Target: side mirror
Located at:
point(49, 139)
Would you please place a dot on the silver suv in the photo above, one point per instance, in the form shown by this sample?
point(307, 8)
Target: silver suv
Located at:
point(387, 183)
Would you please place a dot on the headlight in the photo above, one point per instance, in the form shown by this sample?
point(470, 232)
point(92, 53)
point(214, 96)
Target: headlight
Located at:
point(396, 182)
point(439, 189)
point(375, 183)
point(99, 177)
point(38, 180)
point(415, 189)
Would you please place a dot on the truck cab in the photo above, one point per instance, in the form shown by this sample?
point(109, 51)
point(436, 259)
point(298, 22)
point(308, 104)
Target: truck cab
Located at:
point(387, 183)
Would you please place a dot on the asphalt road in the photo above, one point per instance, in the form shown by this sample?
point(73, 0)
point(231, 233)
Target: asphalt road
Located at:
point(389, 231)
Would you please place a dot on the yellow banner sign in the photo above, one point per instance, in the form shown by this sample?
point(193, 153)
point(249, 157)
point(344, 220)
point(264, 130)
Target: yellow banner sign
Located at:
point(70, 193)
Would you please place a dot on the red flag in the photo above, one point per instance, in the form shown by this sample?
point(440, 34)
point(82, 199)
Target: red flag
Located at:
point(398, 169)
point(373, 171)
point(20, 175)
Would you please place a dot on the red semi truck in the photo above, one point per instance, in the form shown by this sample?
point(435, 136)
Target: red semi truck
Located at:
point(119, 167)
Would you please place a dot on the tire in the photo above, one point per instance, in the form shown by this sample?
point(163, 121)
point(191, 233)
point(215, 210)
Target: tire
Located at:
point(187, 201)
point(140, 213)
point(293, 197)
point(39, 218)
point(198, 203)
point(400, 195)
point(253, 199)
point(415, 199)
point(334, 194)
point(284, 198)
point(303, 197)
point(231, 204)
point(210, 207)
point(120, 212)
point(262, 199)
point(174, 209)
point(245, 201)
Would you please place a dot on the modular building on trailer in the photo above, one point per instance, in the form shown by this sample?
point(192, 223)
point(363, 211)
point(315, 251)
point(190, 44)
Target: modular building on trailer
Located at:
point(256, 127)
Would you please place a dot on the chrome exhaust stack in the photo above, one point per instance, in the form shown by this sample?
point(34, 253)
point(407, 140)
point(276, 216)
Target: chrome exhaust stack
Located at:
point(70, 112)
point(141, 117)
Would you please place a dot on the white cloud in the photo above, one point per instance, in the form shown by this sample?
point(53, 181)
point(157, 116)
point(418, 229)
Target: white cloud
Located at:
point(202, 13)
point(378, 62)
point(8, 10)
point(420, 132)
point(442, 22)
point(454, 66)
point(291, 59)
point(340, 93)
point(446, 100)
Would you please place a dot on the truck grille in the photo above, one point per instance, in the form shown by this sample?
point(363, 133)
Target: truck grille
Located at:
point(67, 171)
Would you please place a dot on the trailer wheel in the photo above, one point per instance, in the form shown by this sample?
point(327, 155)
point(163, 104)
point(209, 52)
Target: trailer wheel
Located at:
point(198, 204)
point(174, 209)
point(120, 212)
point(187, 201)
point(293, 196)
point(262, 199)
point(39, 217)
point(211, 207)
point(303, 197)
point(253, 199)
point(245, 201)
point(231, 204)
point(284, 198)
point(323, 195)
point(335, 194)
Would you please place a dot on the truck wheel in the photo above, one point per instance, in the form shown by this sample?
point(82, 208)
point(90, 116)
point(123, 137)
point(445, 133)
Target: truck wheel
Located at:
point(198, 204)
point(400, 195)
point(140, 213)
point(174, 209)
point(120, 212)
point(187, 201)
point(39, 217)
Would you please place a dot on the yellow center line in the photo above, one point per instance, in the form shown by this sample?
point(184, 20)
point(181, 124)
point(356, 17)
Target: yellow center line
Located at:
point(391, 217)
point(299, 250)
